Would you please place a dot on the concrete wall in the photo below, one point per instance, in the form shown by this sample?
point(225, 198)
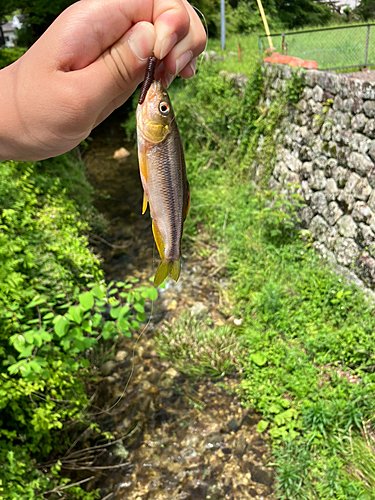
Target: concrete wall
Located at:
point(326, 144)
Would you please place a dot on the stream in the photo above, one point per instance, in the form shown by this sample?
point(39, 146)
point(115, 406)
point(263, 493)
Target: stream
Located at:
point(176, 438)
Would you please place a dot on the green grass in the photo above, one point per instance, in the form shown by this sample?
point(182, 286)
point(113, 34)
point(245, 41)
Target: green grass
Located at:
point(330, 48)
point(307, 339)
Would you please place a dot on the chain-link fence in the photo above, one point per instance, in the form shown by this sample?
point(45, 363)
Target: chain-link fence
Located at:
point(333, 48)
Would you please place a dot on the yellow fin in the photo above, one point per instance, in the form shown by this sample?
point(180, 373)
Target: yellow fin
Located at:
point(167, 268)
point(175, 269)
point(145, 201)
point(161, 273)
point(158, 240)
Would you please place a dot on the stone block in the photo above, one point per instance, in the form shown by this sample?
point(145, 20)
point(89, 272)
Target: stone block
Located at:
point(343, 154)
point(332, 213)
point(311, 77)
point(359, 142)
point(347, 251)
point(332, 149)
point(366, 90)
point(359, 122)
point(345, 201)
point(305, 154)
point(317, 180)
point(320, 163)
point(306, 191)
point(317, 94)
point(369, 129)
point(306, 169)
point(351, 182)
point(306, 93)
point(306, 215)
point(343, 119)
point(318, 228)
point(366, 237)
point(302, 119)
point(341, 175)
point(326, 131)
point(329, 81)
point(371, 201)
point(317, 146)
point(318, 202)
point(360, 163)
point(347, 227)
point(362, 189)
point(337, 103)
point(363, 213)
point(371, 151)
point(293, 163)
point(348, 104)
point(357, 106)
point(302, 105)
point(369, 108)
point(331, 190)
point(331, 164)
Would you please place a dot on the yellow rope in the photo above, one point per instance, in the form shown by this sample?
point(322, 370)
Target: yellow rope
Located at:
point(264, 19)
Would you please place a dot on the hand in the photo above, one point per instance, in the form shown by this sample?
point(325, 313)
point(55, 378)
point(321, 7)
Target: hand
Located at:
point(88, 63)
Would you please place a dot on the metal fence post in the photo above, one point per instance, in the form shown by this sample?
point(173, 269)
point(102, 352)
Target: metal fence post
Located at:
point(260, 45)
point(367, 42)
point(282, 43)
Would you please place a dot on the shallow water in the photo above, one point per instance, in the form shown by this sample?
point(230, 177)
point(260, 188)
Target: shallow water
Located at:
point(179, 439)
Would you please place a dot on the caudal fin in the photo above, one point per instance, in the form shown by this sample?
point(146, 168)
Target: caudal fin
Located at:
point(167, 268)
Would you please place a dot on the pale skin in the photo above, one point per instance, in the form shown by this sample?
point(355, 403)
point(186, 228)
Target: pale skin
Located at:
point(87, 64)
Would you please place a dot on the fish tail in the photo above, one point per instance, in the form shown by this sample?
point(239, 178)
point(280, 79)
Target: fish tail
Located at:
point(167, 268)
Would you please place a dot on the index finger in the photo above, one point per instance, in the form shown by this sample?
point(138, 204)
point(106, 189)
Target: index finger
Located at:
point(88, 28)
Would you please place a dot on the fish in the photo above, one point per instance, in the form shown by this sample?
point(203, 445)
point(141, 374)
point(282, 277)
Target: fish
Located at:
point(163, 173)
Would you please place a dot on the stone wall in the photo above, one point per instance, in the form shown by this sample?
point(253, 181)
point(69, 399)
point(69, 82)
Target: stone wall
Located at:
point(326, 145)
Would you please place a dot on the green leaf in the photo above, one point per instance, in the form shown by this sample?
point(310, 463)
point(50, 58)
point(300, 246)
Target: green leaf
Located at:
point(61, 326)
point(27, 351)
point(259, 358)
point(86, 325)
point(115, 312)
point(262, 426)
point(86, 300)
point(124, 326)
point(36, 301)
point(96, 319)
point(109, 330)
point(76, 313)
point(99, 292)
point(35, 366)
point(135, 325)
point(139, 307)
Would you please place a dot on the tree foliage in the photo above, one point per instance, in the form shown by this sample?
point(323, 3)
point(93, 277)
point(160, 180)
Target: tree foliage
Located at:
point(366, 10)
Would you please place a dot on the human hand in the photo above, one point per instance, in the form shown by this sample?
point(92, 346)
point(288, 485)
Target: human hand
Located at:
point(88, 63)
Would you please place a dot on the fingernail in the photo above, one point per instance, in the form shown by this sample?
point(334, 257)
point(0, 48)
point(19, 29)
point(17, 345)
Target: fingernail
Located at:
point(193, 65)
point(183, 60)
point(167, 44)
point(141, 40)
point(168, 79)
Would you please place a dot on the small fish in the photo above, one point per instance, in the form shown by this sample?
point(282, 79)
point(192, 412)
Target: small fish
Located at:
point(163, 174)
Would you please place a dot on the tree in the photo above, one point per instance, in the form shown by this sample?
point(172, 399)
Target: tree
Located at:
point(297, 13)
point(39, 14)
point(366, 9)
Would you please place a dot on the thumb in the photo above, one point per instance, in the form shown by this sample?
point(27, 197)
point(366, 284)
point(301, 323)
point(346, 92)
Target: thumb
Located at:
point(110, 80)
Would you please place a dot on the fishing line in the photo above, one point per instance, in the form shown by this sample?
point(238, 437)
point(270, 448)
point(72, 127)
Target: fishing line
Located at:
point(206, 28)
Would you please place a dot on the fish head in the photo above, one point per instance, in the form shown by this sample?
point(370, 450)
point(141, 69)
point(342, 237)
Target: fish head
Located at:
point(155, 115)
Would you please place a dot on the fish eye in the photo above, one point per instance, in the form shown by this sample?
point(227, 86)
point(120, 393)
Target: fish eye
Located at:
point(164, 108)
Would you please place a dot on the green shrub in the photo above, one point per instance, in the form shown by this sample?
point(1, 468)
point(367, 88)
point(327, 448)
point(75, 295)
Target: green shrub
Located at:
point(54, 311)
point(8, 56)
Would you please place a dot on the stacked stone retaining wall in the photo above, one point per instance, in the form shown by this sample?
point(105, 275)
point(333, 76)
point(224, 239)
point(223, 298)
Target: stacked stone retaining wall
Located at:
point(326, 145)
